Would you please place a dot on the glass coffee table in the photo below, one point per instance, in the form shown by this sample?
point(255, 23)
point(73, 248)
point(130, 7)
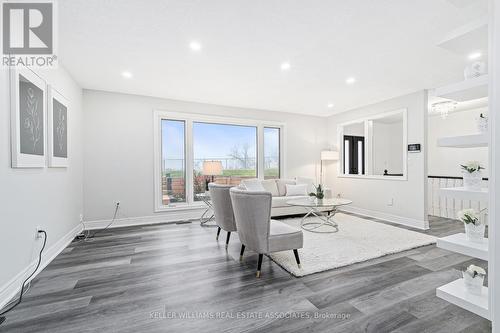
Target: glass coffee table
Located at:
point(317, 208)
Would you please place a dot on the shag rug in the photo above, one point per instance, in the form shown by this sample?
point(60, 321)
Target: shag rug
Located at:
point(357, 240)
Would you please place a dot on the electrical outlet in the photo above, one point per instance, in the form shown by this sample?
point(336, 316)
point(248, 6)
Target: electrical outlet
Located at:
point(81, 218)
point(38, 234)
point(390, 202)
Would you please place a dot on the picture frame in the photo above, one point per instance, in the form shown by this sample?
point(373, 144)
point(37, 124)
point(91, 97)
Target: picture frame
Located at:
point(28, 94)
point(57, 128)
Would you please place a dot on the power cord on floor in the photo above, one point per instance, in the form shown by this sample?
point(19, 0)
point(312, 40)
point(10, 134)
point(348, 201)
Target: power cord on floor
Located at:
point(23, 286)
point(87, 236)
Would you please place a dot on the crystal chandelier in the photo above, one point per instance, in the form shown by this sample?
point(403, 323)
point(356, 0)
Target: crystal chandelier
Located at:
point(443, 108)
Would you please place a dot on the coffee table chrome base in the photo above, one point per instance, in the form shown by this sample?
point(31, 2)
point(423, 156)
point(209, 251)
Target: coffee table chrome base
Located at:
point(326, 221)
point(207, 216)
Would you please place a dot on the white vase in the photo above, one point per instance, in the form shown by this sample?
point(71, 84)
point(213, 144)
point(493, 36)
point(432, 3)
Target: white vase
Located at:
point(472, 180)
point(473, 285)
point(482, 124)
point(474, 233)
point(474, 70)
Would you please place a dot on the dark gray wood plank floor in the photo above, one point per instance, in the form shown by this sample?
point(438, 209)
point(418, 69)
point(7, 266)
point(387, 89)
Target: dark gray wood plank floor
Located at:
point(144, 279)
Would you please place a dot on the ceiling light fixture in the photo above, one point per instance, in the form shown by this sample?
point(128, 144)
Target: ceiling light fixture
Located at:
point(285, 66)
point(127, 74)
point(443, 108)
point(195, 46)
point(350, 80)
point(475, 55)
point(330, 105)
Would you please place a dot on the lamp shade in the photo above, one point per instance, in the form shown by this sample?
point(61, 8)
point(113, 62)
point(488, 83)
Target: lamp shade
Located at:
point(212, 168)
point(329, 155)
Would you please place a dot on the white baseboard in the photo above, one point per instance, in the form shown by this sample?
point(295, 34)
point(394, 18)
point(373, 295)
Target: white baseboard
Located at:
point(168, 217)
point(12, 287)
point(414, 223)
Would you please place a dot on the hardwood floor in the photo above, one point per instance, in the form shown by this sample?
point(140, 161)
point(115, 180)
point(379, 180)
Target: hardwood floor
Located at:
point(177, 278)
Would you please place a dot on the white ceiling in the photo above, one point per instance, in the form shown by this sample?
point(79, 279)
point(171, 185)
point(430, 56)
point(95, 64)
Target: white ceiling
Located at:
point(388, 45)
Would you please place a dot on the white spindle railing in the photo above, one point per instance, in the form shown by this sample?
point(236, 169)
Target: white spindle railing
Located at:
point(446, 206)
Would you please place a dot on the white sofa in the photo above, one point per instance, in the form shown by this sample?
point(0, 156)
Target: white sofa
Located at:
point(277, 187)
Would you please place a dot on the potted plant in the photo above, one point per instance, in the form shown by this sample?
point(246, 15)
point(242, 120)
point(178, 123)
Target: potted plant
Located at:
point(472, 175)
point(474, 229)
point(474, 279)
point(482, 123)
point(320, 194)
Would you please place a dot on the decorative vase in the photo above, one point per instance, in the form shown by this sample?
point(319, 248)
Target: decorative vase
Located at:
point(474, 233)
point(472, 180)
point(475, 69)
point(482, 124)
point(473, 285)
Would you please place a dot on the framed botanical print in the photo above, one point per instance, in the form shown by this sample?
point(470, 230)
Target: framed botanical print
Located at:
point(57, 129)
point(28, 118)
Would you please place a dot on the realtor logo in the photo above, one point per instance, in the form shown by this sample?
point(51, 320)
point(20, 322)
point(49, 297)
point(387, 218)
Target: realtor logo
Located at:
point(28, 29)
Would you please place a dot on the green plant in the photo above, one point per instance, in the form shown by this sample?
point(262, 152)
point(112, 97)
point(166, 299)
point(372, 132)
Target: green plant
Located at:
point(320, 194)
point(471, 166)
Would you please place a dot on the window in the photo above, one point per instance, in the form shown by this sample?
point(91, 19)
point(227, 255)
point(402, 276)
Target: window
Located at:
point(271, 153)
point(192, 150)
point(173, 153)
point(354, 155)
point(224, 154)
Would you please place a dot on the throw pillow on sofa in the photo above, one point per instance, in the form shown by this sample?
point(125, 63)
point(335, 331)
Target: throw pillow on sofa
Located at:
point(282, 185)
point(253, 185)
point(294, 190)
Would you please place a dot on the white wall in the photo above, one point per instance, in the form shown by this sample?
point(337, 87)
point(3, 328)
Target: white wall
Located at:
point(371, 196)
point(49, 198)
point(387, 147)
point(118, 136)
point(446, 161)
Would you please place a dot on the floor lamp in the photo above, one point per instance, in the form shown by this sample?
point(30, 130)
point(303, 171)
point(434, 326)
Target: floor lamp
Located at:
point(211, 169)
point(327, 155)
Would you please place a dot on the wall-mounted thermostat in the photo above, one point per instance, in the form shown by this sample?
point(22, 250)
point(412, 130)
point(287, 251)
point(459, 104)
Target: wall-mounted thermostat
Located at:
point(414, 148)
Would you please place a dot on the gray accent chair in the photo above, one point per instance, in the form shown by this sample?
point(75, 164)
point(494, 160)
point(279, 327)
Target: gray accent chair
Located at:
point(256, 230)
point(223, 209)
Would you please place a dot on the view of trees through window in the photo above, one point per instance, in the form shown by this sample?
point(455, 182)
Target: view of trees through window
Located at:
point(222, 153)
point(232, 147)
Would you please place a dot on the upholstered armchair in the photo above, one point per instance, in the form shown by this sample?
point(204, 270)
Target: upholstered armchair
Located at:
point(223, 209)
point(256, 230)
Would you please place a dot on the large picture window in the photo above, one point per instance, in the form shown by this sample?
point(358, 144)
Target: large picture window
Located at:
point(173, 157)
point(224, 154)
point(272, 156)
point(193, 150)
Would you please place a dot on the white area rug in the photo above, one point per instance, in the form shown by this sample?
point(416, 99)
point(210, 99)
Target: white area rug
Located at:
point(358, 240)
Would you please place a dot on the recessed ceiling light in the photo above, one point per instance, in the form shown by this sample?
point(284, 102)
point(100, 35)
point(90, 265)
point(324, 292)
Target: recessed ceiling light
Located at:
point(475, 55)
point(195, 46)
point(285, 66)
point(330, 105)
point(127, 74)
point(350, 80)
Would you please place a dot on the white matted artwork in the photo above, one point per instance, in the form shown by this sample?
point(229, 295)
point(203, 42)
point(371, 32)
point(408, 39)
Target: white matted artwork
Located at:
point(28, 118)
point(57, 129)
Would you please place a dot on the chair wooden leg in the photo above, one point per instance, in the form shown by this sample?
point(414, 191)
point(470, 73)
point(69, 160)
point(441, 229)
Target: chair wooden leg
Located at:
point(227, 239)
point(241, 252)
point(218, 233)
point(259, 265)
point(297, 259)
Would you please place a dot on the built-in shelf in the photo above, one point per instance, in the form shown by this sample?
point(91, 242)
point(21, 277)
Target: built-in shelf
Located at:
point(462, 193)
point(466, 90)
point(455, 293)
point(458, 243)
point(464, 141)
point(471, 36)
